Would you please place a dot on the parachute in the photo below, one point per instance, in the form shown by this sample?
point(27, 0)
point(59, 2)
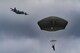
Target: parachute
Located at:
point(53, 44)
point(52, 23)
point(53, 41)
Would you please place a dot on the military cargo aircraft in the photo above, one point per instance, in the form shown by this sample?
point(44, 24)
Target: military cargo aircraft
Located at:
point(18, 12)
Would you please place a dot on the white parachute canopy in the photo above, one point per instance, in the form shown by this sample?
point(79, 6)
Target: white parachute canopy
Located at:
point(53, 42)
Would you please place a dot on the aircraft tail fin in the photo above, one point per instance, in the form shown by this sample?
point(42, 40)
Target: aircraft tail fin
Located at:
point(11, 9)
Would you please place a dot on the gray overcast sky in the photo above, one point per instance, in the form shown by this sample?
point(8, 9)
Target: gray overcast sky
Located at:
point(21, 34)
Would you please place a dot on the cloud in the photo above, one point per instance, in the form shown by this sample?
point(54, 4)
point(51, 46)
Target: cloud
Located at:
point(20, 45)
